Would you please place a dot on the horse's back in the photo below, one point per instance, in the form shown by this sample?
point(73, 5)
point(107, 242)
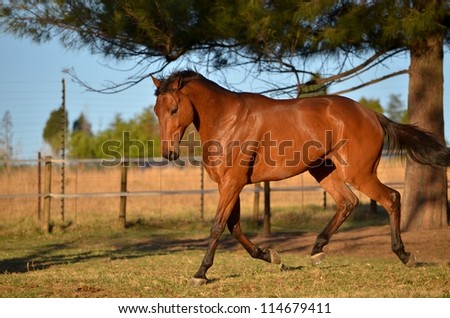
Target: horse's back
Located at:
point(342, 115)
point(332, 127)
point(337, 107)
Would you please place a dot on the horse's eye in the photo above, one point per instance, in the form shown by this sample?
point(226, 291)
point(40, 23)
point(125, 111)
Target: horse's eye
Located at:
point(173, 110)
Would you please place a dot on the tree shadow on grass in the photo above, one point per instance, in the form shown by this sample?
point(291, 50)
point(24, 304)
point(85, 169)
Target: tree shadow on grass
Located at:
point(40, 259)
point(126, 246)
point(46, 256)
point(49, 255)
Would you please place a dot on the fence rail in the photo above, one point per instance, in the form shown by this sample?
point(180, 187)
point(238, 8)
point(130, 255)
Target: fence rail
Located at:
point(154, 193)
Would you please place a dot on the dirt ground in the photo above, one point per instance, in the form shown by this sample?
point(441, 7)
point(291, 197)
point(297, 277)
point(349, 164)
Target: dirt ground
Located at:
point(429, 247)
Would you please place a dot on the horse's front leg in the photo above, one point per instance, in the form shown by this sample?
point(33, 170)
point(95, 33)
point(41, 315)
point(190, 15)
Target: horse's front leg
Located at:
point(229, 194)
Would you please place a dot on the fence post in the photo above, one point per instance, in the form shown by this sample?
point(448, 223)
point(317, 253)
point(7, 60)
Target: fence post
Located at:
point(45, 220)
point(123, 198)
point(266, 226)
point(373, 207)
point(256, 204)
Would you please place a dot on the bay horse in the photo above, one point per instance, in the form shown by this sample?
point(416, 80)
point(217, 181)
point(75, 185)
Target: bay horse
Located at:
point(248, 138)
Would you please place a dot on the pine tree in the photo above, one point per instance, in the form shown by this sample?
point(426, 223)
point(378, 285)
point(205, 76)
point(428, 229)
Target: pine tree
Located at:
point(81, 139)
point(82, 125)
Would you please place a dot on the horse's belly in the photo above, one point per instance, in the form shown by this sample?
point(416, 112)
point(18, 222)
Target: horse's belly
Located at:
point(276, 170)
point(285, 159)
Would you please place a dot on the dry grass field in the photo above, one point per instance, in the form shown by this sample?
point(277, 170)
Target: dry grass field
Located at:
point(91, 178)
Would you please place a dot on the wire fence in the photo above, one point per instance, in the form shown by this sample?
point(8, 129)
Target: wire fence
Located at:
point(153, 189)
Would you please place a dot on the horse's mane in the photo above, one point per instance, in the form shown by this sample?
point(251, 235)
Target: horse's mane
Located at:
point(182, 77)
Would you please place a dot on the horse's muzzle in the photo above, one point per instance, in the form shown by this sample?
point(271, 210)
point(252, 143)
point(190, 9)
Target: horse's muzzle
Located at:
point(170, 149)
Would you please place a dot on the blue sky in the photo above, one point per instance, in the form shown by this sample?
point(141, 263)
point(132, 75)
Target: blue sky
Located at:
point(30, 88)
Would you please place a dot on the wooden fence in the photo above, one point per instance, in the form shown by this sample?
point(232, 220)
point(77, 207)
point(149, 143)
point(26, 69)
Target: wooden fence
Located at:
point(48, 195)
point(152, 181)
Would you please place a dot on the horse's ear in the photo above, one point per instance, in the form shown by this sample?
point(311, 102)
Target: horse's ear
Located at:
point(156, 81)
point(177, 84)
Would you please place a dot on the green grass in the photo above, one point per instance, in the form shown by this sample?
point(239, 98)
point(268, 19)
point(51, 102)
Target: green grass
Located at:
point(152, 258)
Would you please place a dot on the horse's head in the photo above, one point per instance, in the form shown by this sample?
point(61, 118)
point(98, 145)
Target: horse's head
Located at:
point(174, 111)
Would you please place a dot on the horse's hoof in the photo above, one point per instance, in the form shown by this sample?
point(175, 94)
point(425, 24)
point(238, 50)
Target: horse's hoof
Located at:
point(274, 257)
point(317, 258)
point(198, 281)
point(411, 261)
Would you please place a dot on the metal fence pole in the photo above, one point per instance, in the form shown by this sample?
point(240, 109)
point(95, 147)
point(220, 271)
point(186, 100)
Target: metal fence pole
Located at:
point(63, 148)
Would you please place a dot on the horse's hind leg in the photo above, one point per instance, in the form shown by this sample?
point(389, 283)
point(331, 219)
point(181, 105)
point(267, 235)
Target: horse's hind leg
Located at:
point(234, 226)
point(346, 201)
point(390, 200)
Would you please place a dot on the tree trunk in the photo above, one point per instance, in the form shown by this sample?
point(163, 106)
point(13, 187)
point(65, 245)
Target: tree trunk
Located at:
point(424, 204)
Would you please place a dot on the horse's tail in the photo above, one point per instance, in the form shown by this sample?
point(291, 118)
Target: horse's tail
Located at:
point(421, 146)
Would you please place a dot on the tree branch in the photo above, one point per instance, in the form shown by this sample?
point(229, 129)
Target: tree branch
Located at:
point(377, 80)
point(114, 88)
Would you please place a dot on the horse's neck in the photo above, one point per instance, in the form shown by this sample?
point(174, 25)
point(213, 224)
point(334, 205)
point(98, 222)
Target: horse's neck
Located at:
point(211, 103)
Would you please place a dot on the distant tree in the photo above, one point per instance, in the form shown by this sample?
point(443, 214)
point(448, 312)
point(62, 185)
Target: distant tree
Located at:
point(373, 104)
point(82, 124)
point(312, 88)
point(81, 143)
point(396, 109)
point(137, 137)
point(52, 130)
point(81, 146)
point(6, 137)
